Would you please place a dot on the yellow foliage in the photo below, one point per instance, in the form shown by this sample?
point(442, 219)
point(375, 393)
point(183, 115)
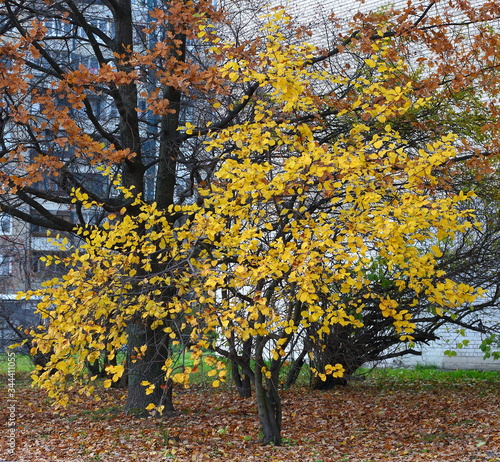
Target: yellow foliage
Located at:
point(284, 238)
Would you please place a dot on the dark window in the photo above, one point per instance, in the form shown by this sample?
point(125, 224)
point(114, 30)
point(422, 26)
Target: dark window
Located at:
point(41, 231)
point(5, 224)
point(40, 266)
point(5, 265)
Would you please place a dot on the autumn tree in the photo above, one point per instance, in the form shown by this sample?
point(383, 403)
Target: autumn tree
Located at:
point(460, 103)
point(280, 246)
point(192, 163)
point(97, 84)
point(298, 231)
point(90, 84)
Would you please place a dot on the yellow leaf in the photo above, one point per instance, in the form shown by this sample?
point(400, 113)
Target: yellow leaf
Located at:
point(437, 251)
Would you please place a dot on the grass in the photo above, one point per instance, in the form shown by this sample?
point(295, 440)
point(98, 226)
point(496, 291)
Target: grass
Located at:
point(432, 376)
point(23, 363)
point(422, 374)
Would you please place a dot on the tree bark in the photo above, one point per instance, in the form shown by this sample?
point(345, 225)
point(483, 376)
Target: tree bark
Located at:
point(269, 413)
point(293, 373)
point(241, 381)
point(148, 368)
point(268, 399)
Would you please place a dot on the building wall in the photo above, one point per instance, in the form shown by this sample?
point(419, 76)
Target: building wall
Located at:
point(23, 248)
point(469, 356)
point(14, 255)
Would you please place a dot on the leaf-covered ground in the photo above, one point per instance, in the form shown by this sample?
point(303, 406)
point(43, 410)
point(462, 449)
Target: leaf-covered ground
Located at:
point(368, 421)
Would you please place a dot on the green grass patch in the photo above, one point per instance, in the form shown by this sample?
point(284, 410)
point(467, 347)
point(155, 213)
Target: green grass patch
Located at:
point(426, 367)
point(23, 363)
point(421, 375)
point(432, 376)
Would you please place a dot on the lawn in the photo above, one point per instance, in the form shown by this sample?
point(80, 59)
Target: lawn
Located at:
point(423, 415)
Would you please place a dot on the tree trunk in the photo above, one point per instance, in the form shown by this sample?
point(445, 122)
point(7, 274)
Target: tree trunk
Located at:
point(331, 382)
point(241, 381)
point(148, 368)
point(268, 400)
point(293, 373)
point(339, 347)
point(269, 414)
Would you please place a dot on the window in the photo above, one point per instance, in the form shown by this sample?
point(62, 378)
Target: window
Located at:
point(106, 26)
point(5, 224)
point(58, 27)
point(39, 266)
point(94, 182)
point(54, 27)
point(5, 265)
point(49, 185)
point(41, 231)
point(96, 101)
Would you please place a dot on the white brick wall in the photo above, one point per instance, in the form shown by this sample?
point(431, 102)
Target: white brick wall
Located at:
point(467, 357)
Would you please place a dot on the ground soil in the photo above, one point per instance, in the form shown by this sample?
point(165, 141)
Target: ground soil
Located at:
point(360, 423)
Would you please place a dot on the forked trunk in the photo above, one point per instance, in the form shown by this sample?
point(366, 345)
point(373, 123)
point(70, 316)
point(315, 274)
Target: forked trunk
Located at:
point(241, 381)
point(293, 373)
point(241, 371)
point(269, 408)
